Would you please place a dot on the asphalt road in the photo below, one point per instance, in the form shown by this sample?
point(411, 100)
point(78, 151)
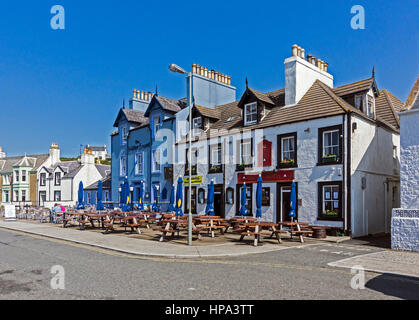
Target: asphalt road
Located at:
point(295, 273)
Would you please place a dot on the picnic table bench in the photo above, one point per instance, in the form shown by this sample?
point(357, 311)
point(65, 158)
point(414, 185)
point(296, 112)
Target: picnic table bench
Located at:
point(256, 229)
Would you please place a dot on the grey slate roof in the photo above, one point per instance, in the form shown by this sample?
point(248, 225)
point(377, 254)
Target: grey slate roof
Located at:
point(103, 169)
point(106, 184)
point(167, 104)
point(34, 161)
point(133, 116)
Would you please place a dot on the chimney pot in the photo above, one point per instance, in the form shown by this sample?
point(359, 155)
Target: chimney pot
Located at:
point(193, 68)
point(294, 50)
point(325, 66)
point(302, 53)
point(228, 80)
point(206, 72)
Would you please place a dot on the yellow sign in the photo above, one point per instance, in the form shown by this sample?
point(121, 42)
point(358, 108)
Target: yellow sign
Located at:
point(194, 180)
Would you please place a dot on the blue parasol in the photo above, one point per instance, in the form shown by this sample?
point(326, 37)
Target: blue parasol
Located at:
point(209, 210)
point(99, 205)
point(172, 199)
point(179, 201)
point(293, 202)
point(141, 196)
point(259, 198)
point(80, 204)
point(243, 201)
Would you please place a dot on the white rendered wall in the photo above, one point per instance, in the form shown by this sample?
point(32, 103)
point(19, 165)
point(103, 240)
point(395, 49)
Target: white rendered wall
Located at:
point(409, 173)
point(300, 76)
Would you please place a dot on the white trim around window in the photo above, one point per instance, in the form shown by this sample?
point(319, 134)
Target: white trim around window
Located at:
point(250, 113)
point(123, 166)
point(139, 163)
point(155, 160)
point(124, 135)
point(331, 143)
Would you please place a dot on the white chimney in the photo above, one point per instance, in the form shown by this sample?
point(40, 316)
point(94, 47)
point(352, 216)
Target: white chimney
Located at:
point(54, 153)
point(301, 74)
point(87, 159)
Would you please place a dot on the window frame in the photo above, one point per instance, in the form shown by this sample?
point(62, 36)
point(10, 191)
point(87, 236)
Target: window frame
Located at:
point(55, 178)
point(24, 175)
point(55, 195)
point(156, 124)
point(153, 158)
point(123, 164)
point(124, 135)
point(320, 202)
point(242, 166)
point(266, 202)
point(42, 179)
point(194, 167)
point(16, 175)
point(196, 130)
point(253, 113)
point(219, 167)
point(322, 160)
point(279, 157)
point(23, 195)
point(194, 209)
point(137, 165)
point(229, 190)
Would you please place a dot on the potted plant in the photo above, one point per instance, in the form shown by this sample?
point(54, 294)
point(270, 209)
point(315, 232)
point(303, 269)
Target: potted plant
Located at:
point(330, 158)
point(331, 213)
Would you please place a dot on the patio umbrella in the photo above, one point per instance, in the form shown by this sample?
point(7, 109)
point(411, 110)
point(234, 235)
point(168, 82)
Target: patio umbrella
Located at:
point(140, 200)
point(80, 204)
point(179, 201)
point(125, 195)
point(243, 201)
point(172, 199)
point(99, 205)
point(259, 198)
point(155, 206)
point(209, 210)
point(293, 202)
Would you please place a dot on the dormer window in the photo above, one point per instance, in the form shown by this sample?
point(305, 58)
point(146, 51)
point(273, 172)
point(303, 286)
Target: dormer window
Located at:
point(360, 102)
point(250, 113)
point(371, 107)
point(196, 126)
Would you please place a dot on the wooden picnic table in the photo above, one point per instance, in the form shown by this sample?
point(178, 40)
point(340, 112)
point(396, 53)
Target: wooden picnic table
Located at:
point(295, 227)
point(99, 217)
point(174, 225)
point(210, 223)
point(256, 229)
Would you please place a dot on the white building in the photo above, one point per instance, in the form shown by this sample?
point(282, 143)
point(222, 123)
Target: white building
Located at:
point(99, 152)
point(59, 182)
point(405, 222)
point(339, 144)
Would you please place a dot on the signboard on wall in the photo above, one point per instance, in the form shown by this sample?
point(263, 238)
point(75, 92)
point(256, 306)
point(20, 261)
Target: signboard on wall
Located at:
point(267, 176)
point(9, 212)
point(194, 180)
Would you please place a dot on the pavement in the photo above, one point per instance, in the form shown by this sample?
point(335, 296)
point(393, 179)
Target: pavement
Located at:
point(29, 263)
point(389, 261)
point(151, 248)
point(355, 252)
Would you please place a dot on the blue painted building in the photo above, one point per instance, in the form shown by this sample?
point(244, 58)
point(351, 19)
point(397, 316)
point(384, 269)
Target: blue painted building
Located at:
point(90, 192)
point(142, 147)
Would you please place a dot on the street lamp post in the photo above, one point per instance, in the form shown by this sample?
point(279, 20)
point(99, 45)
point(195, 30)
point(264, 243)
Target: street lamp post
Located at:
point(177, 69)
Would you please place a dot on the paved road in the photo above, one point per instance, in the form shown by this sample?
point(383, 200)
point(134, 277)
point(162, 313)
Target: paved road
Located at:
point(295, 273)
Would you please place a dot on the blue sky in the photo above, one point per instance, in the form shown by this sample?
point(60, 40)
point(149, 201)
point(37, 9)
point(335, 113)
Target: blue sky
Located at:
point(66, 86)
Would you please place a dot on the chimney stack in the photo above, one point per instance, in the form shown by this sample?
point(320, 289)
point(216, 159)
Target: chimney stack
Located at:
point(2, 154)
point(300, 74)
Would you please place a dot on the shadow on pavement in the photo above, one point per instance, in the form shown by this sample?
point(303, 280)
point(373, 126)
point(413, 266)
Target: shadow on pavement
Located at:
point(373, 241)
point(396, 286)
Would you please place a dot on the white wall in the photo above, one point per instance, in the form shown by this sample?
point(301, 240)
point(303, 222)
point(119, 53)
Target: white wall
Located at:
point(372, 160)
point(409, 174)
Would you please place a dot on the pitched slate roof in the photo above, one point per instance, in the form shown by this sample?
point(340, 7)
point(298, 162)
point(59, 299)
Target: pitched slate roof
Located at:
point(106, 184)
point(387, 106)
point(412, 101)
point(103, 169)
point(208, 112)
point(167, 104)
point(133, 116)
point(33, 161)
point(318, 102)
point(350, 88)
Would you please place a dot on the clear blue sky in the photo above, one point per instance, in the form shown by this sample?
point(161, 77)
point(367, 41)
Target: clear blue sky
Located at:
point(67, 85)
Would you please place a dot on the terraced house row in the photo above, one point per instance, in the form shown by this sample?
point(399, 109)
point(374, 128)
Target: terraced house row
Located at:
point(339, 144)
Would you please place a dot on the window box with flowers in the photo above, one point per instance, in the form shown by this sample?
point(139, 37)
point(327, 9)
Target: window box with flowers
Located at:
point(243, 166)
point(286, 163)
point(215, 168)
point(330, 158)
